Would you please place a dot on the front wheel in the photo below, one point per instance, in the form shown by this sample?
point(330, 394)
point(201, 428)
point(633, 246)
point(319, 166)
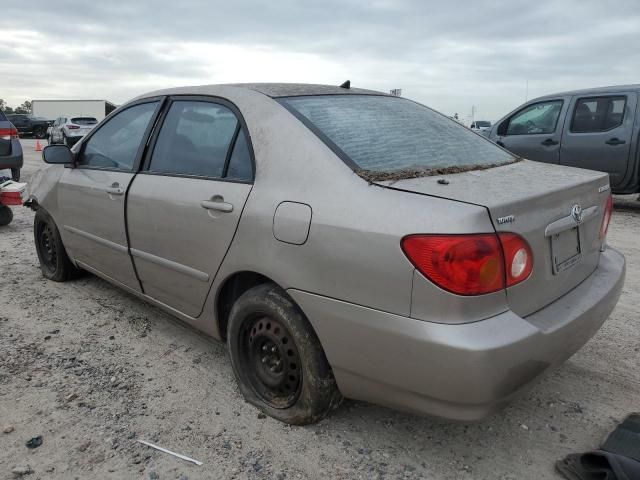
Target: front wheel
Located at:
point(54, 261)
point(277, 358)
point(6, 215)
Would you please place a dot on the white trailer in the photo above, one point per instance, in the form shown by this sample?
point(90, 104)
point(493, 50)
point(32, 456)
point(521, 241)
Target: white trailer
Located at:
point(52, 109)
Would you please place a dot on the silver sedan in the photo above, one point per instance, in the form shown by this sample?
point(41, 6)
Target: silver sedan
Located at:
point(342, 242)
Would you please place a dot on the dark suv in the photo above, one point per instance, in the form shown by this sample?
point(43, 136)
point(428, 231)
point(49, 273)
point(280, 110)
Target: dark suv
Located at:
point(28, 124)
point(10, 148)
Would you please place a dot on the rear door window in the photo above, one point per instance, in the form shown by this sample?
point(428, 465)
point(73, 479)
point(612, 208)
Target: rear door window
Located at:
point(194, 139)
point(539, 118)
point(84, 121)
point(385, 133)
point(598, 114)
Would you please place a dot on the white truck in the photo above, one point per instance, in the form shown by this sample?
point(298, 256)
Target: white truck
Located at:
point(52, 109)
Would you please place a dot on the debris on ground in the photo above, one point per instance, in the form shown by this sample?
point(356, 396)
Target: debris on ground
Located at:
point(34, 442)
point(179, 455)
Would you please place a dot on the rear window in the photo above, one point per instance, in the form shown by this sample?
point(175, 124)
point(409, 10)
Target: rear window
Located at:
point(482, 123)
point(390, 134)
point(84, 121)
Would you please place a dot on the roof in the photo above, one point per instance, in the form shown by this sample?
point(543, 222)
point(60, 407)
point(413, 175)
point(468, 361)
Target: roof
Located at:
point(275, 90)
point(589, 91)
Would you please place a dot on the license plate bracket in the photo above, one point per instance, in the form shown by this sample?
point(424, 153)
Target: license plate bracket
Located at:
point(565, 249)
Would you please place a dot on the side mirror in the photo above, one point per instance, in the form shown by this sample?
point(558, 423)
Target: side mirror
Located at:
point(57, 154)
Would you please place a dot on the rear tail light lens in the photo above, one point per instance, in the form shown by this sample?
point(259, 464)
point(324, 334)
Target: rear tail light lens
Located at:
point(606, 218)
point(73, 127)
point(8, 133)
point(470, 264)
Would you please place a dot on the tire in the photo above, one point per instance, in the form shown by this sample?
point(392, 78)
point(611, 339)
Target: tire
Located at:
point(6, 215)
point(15, 174)
point(277, 358)
point(39, 132)
point(54, 261)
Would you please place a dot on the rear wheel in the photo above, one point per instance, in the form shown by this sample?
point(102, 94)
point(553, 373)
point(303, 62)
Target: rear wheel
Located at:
point(277, 358)
point(54, 261)
point(15, 174)
point(6, 215)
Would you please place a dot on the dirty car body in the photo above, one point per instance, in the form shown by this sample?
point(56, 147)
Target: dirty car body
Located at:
point(438, 293)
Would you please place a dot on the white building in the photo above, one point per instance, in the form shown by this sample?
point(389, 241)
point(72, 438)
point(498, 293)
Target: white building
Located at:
point(52, 109)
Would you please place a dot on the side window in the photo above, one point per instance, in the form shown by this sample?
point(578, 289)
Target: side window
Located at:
point(539, 118)
point(598, 114)
point(194, 139)
point(240, 167)
point(116, 143)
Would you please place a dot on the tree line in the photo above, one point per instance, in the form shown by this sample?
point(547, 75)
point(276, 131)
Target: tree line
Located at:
point(24, 108)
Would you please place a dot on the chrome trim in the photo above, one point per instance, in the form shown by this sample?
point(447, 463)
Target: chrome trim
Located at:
point(568, 222)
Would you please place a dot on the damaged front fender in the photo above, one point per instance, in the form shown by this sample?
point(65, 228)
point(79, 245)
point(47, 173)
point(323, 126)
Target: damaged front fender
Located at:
point(42, 187)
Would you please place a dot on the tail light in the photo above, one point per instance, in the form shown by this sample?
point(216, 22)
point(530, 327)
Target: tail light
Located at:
point(606, 218)
point(73, 127)
point(470, 264)
point(9, 133)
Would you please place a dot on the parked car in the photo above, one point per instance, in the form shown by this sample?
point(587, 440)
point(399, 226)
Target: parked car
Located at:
point(343, 242)
point(28, 124)
point(10, 148)
point(595, 128)
point(480, 125)
point(69, 130)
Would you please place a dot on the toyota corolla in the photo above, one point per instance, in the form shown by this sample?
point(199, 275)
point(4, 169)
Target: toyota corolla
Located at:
point(343, 242)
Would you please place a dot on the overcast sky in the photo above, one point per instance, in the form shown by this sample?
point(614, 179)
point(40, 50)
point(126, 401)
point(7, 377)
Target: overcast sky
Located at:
point(448, 54)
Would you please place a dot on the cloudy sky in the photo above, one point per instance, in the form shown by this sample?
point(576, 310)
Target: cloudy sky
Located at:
point(448, 54)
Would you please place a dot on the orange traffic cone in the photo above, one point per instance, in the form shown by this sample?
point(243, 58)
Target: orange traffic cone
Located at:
point(38, 146)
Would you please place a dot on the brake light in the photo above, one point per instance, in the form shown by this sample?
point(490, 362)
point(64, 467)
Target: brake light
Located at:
point(474, 264)
point(9, 133)
point(73, 127)
point(606, 218)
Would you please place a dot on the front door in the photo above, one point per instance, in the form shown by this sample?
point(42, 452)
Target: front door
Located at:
point(535, 131)
point(92, 195)
point(184, 208)
point(598, 134)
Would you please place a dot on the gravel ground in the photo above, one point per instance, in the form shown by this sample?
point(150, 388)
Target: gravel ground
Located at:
point(92, 369)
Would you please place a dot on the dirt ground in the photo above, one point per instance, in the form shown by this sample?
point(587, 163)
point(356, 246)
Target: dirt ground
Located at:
point(92, 369)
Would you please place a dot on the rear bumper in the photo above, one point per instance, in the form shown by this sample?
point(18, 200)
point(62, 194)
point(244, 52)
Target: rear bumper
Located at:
point(14, 159)
point(462, 372)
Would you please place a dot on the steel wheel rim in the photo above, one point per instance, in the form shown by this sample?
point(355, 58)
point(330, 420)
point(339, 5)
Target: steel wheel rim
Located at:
point(48, 252)
point(270, 360)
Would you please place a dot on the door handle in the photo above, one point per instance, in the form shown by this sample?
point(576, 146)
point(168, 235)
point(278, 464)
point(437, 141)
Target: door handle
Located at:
point(115, 189)
point(615, 141)
point(219, 206)
point(549, 142)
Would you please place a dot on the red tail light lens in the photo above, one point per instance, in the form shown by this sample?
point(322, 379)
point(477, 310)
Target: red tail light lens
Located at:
point(470, 264)
point(73, 127)
point(606, 218)
point(8, 133)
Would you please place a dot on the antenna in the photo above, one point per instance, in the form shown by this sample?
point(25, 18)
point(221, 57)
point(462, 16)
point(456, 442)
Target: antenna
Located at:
point(346, 84)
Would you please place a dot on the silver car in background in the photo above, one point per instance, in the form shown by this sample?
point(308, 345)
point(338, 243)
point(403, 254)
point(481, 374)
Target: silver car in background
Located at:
point(343, 242)
point(68, 130)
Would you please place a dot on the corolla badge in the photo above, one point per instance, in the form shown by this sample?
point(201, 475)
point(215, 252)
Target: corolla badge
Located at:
point(576, 213)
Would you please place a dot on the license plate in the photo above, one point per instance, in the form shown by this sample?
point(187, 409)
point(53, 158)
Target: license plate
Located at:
point(565, 249)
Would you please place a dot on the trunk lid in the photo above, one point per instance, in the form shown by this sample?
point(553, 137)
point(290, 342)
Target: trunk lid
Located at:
point(534, 200)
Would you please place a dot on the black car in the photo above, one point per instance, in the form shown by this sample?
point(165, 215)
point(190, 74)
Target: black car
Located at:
point(30, 125)
point(10, 148)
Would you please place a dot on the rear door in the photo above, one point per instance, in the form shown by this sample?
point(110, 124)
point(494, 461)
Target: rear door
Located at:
point(598, 133)
point(183, 208)
point(92, 195)
point(535, 131)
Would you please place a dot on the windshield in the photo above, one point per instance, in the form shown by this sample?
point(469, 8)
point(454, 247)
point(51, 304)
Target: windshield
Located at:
point(84, 121)
point(389, 134)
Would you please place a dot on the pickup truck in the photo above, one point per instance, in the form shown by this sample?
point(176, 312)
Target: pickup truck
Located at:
point(597, 129)
point(28, 124)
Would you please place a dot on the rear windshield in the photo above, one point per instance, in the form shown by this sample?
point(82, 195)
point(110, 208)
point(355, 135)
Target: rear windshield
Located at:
point(482, 123)
point(84, 121)
point(390, 134)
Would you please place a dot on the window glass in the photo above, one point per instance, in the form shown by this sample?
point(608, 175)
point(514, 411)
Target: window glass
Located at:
point(194, 139)
point(539, 118)
point(84, 121)
point(240, 164)
point(116, 143)
point(598, 114)
point(384, 133)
